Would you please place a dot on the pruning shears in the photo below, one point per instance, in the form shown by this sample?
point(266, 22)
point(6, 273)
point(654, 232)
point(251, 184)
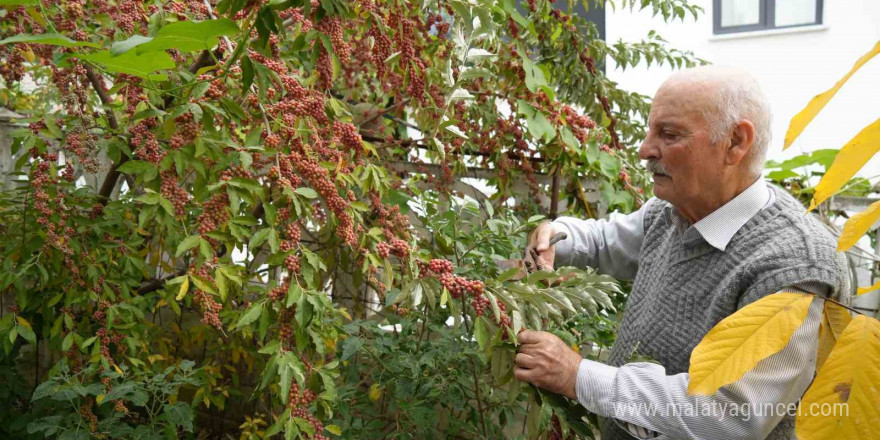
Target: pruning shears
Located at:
point(530, 262)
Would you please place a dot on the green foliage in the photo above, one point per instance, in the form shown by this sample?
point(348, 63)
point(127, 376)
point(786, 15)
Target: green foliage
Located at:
point(71, 405)
point(257, 186)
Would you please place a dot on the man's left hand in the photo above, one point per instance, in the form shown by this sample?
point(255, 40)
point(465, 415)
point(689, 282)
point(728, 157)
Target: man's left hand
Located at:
point(546, 362)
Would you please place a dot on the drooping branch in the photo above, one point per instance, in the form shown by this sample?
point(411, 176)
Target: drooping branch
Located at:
point(112, 175)
point(606, 106)
point(205, 59)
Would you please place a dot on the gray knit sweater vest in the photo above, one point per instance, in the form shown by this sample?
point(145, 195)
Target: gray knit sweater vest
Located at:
point(685, 286)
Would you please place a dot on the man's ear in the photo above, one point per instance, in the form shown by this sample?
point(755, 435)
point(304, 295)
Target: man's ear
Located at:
point(742, 139)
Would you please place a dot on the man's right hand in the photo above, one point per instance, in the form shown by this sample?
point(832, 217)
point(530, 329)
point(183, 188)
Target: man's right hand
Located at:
point(539, 240)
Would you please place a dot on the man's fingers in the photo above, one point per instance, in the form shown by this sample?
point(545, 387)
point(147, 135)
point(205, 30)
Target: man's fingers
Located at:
point(528, 337)
point(545, 259)
point(525, 360)
point(523, 374)
point(542, 240)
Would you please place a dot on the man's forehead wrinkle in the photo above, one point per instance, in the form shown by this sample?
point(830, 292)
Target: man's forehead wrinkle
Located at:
point(683, 100)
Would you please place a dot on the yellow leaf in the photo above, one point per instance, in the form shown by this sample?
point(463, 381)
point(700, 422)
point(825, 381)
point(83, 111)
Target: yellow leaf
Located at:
point(835, 318)
point(802, 119)
point(100, 398)
point(864, 290)
point(333, 429)
point(849, 376)
point(118, 370)
point(576, 348)
point(375, 392)
point(858, 225)
point(740, 341)
point(184, 287)
point(22, 322)
point(849, 160)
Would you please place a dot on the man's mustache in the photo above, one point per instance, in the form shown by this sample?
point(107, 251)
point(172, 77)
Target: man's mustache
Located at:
point(655, 167)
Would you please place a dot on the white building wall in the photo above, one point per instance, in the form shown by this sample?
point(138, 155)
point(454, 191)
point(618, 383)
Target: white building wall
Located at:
point(792, 66)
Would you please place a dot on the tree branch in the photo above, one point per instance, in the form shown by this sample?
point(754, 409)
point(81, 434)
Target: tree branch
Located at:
point(205, 59)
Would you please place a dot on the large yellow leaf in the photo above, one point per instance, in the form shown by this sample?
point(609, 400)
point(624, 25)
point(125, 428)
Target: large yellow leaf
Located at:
point(835, 318)
point(736, 345)
point(802, 119)
point(857, 226)
point(850, 376)
point(849, 160)
point(863, 290)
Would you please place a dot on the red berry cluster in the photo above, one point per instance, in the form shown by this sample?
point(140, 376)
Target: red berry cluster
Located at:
point(458, 286)
point(132, 93)
point(85, 411)
point(293, 231)
point(374, 282)
point(442, 25)
point(381, 50)
point(39, 179)
point(325, 69)
point(144, 142)
point(119, 406)
point(349, 136)
point(187, 131)
point(12, 69)
point(298, 401)
point(581, 125)
point(128, 14)
point(399, 247)
point(217, 89)
point(319, 177)
point(383, 250)
point(173, 192)
point(332, 27)
point(106, 337)
point(210, 308)
point(280, 291)
point(82, 144)
point(292, 263)
point(214, 213)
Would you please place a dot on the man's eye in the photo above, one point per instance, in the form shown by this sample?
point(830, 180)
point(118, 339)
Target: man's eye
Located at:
point(668, 135)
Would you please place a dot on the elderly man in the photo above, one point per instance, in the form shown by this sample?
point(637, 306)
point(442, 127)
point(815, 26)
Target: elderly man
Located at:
point(716, 238)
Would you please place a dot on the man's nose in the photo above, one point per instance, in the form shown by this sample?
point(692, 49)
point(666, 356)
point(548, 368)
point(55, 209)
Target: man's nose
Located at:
point(648, 150)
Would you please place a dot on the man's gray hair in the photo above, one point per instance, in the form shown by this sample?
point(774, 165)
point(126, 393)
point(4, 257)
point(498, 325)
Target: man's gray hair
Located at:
point(737, 97)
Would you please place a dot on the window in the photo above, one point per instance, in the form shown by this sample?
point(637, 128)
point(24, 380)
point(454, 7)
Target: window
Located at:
point(732, 16)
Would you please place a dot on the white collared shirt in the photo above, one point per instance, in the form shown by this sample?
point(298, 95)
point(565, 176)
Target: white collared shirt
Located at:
point(612, 246)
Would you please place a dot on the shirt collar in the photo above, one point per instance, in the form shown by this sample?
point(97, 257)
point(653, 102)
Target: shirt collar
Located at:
point(722, 224)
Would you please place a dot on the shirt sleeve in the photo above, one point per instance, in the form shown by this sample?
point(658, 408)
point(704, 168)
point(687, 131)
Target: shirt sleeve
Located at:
point(611, 246)
point(641, 393)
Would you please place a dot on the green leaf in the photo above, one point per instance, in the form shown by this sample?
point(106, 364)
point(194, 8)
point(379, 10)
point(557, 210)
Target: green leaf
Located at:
point(27, 333)
point(187, 244)
point(180, 414)
point(508, 274)
point(51, 39)
point(141, 66)
point(351, 346)
point(137, 167)
point(205, 249)
point(251, 315)
point(481, 333)
point(121, 47)
point(259, 238)
point(306, 192)
point(247, 74)
point(190, 36)
point(535, 75)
